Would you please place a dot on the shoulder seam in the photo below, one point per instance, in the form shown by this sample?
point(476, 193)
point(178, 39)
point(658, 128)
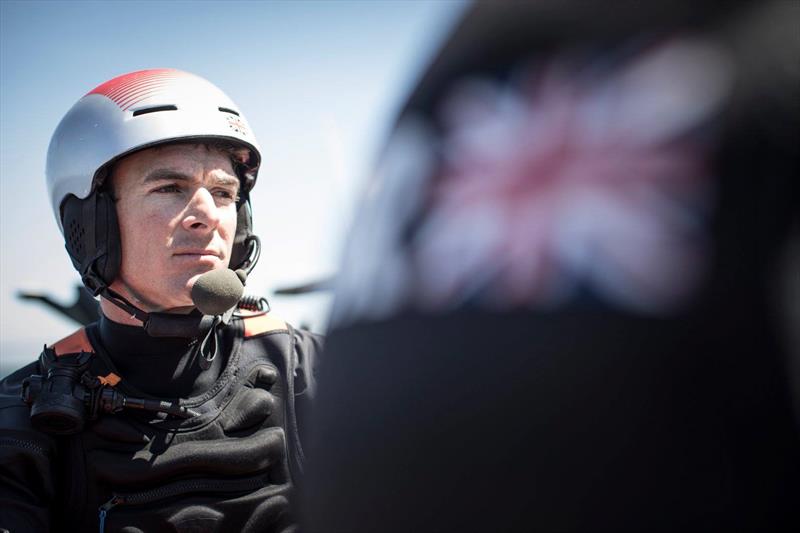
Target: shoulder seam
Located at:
point(258, 325)
point(77, 341)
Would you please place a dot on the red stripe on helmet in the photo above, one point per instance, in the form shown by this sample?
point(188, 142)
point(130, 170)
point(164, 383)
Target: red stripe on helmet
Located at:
point(121, 88)
point(132, 97)
point(125, 95)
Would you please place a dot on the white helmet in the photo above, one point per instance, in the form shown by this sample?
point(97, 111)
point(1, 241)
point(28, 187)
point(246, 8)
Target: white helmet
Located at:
point(129, 113)
point(132, 112)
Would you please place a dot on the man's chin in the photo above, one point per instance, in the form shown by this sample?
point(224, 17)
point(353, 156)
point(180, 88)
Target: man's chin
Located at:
point(164, 300)
point(180, 297)
point(193, 279)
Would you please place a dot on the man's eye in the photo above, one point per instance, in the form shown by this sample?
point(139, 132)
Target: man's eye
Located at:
point(167, 189)
point(225, 195)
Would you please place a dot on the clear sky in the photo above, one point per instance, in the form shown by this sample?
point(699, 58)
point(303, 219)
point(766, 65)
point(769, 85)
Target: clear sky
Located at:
point(319, 82)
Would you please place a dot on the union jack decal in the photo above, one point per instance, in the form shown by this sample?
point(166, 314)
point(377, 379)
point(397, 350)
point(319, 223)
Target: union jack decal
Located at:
point(579, 177)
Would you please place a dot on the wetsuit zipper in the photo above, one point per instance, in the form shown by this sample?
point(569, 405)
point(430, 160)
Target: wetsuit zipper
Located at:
point(18, 443)
point(177, 488)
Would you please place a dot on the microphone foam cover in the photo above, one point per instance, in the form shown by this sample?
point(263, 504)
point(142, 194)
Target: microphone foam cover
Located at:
point(217, 291)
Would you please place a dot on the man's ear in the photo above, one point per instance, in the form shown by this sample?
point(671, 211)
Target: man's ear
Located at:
point(91, 233)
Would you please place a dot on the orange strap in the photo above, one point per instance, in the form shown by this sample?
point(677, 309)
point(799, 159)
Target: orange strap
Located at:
point(75, 343)
point(111, 379)
point(259, 324)
point(79, 342)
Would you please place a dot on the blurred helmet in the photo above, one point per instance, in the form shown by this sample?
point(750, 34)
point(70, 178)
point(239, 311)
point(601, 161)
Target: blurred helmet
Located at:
point(123, 115)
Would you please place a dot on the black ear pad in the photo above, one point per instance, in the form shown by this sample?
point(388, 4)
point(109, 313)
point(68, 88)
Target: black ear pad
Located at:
point(241, 242)
point(91, 235)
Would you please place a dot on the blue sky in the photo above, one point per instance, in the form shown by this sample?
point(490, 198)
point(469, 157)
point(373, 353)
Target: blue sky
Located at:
point(319, 82)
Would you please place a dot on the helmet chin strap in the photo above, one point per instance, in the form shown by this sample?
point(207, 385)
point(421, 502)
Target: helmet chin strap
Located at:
point(159, 324)
point(123, 303)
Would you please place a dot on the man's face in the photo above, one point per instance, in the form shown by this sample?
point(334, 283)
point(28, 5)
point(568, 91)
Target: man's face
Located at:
point(176, 207)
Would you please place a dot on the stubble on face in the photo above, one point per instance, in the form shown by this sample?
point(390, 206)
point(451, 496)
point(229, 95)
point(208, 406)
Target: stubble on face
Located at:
point(176, 207)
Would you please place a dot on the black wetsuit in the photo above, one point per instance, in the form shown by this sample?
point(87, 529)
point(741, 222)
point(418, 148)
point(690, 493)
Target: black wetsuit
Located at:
point(232, 467)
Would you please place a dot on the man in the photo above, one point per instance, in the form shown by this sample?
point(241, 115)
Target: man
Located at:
point(177, 410)
point(579, 258)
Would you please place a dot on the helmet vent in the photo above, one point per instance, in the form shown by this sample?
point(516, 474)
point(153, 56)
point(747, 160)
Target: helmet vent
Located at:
point(154, 109)
point(226, 110)
point(75, 238)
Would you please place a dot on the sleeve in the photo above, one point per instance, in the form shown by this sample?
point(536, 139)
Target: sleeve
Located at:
point(307, 347)
point(26, 461)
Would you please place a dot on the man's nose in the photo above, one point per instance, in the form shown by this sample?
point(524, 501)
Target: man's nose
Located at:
point(202, 214)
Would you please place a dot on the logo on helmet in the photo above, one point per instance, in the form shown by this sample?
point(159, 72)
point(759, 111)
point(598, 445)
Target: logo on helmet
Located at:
point(236, 124)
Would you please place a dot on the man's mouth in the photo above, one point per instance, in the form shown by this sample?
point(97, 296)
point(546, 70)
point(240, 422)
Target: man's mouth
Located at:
point(199, 252)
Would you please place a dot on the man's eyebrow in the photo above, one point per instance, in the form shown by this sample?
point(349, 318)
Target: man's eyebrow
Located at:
point(165, 174)
point(226, 180)
point(162, 174)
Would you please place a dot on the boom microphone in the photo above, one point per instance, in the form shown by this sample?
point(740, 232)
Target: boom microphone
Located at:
point(217, 291)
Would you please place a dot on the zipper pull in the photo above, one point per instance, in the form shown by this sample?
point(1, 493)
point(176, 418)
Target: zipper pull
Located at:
point(113, 502)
